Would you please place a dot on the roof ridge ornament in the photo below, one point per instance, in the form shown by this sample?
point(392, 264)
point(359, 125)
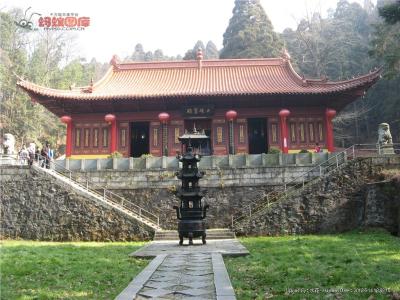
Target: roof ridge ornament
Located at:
point(285, 54)
point(89, 89)
point(304, 81)
point(199, 57)
point(114, 61)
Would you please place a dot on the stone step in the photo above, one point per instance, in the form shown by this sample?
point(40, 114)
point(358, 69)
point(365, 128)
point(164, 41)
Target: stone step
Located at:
point(212, 234)
point(209, 232)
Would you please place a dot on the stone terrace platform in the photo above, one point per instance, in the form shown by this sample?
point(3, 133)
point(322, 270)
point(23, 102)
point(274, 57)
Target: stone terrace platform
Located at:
point(227, 247)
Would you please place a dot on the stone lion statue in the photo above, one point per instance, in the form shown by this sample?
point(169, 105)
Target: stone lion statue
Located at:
point(384, 136)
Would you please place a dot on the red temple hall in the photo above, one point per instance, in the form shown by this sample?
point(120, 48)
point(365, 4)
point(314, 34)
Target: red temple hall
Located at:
point(241, 105)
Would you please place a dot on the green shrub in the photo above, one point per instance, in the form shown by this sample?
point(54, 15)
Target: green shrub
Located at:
point(273, 150)
point(116, 154)
point(304, 151)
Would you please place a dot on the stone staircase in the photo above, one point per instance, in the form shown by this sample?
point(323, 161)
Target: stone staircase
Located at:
point(107, 198)
point(212, 234)
point(294, 187)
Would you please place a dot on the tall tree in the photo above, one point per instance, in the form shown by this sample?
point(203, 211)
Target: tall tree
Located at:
point(337, 46)
point(386, 45)
point(47, 52)
point(250, 33)
point(211, 51)
point(390, 12)
point(139, 54)
point(148, 56)
point(158, 55)
point(14, 106)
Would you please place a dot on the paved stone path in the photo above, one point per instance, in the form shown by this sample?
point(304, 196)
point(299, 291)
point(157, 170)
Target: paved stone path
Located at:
point(181, 276)
point(191, 272)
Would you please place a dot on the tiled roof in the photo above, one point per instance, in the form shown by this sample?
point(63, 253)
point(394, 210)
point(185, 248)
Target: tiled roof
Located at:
point(231, 77)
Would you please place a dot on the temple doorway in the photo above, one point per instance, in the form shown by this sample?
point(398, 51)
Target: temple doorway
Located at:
point(201, 125)
point(139, 138)
point(257, 128)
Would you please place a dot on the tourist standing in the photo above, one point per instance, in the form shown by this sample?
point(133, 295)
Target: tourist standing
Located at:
point(50, 154)
point(317, 148)
point(31, 151)
point(23, 155)
point(37, 155)
point(44, 156)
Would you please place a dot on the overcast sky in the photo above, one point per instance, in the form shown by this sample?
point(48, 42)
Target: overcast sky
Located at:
point(171, 25)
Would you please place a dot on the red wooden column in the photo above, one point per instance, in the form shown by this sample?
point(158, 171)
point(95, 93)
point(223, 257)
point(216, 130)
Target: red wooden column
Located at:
point(68, 149)
point(283, 114)
point(111, 119)
point(231, 115)
point(329, 115)
point(164, 118)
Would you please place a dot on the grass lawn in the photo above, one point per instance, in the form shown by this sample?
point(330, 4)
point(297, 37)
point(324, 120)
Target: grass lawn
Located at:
point(82, 270)
point(49, 270)
point(351, 260)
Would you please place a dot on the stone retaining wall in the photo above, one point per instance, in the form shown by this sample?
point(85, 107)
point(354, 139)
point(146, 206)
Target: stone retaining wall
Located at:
point(353, 196)
point(35, 206)
point(229, 191)
point(215, 178)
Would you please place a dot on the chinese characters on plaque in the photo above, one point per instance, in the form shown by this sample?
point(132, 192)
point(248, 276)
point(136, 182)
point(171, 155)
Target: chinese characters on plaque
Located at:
point(198, 111)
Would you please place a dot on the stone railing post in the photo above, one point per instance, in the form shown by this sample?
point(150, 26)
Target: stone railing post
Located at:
point(130, 163)
point(98, 164)
point(230, 161)
point(164, 162)
point(67, 163)
point(82, 165)
point(247, 160)
point(213, 162)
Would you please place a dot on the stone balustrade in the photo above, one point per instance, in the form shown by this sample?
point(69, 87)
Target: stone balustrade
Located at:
point(207, 162)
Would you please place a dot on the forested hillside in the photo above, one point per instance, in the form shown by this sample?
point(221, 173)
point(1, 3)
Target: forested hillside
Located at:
point(351, 40)
point(46, 58)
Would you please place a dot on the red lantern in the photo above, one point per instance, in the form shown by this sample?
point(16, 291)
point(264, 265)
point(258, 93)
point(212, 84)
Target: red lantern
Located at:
point(231, 115)
point(66, 119)
point(330, 113)
point(109, 118)
point(284, 113)
point(163, 117)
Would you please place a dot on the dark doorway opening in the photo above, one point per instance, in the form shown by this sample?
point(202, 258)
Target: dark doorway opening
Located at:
point(257, 135)
point(139, 138)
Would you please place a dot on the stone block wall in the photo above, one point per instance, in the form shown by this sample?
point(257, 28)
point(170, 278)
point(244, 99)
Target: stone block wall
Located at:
point(35, 206)
point(353, 196)
point(229, 177)
point(229, 191)
point(224, 203)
